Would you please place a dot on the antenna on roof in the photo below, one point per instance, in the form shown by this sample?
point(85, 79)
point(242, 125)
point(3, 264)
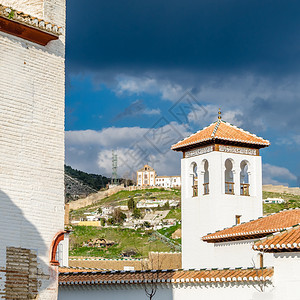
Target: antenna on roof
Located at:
point(219, 114)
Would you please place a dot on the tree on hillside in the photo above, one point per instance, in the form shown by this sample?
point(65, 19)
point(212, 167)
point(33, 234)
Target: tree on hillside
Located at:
point(137, 213)
point(118, 216)
point(131, 204)
point(94, 181)
point(166, 206)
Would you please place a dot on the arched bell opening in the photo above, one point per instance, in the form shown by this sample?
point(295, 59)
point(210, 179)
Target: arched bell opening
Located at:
point(194, 179)
point(229, 181)
point(205, 178)
point(244, 179)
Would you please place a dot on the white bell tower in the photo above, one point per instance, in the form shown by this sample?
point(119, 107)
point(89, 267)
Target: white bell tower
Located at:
point(221, 175)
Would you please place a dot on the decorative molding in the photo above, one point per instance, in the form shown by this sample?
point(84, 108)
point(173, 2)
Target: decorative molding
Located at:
point(221, 148)
point(56, 240)
point(237, 150)
point(199, 151)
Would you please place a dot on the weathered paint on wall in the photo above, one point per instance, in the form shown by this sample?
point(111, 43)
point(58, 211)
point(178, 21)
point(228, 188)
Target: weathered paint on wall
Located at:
point(32, 151)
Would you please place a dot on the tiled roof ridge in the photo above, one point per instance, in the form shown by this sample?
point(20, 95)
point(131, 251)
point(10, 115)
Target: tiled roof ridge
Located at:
point(21, 17)
point(166, 276)
point(216, 128)
point(151, 270)
point(245, 131)
point(194, 134)
point(206, 237)
point(72, 269)
point(258, 245)
point(214, 136)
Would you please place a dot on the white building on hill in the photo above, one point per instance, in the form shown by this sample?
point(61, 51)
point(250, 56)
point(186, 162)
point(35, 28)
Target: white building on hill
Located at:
point(274, 200)
point(168, 181)
point(156, 203)
point(32, 86)
point(253, 258)
point(146, 176)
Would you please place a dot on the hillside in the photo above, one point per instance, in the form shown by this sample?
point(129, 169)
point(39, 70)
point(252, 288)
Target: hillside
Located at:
point(79, 184)
point(125, 240)
point(143, 241)
point(75, 189)
point(291, 201)
point(94, 181)
point(122, 197)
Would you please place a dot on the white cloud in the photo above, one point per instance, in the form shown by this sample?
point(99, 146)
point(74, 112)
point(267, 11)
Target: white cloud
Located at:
point(150, 85)
point(151, 112)
point(198, 117)
point(106, 137)
point(277, 175)
point(292, 139)
point(90, 150)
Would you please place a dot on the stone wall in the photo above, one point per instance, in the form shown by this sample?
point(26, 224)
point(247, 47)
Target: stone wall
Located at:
point(162, 260)
point(93, 198)
point(281, 189)
point(31, 154)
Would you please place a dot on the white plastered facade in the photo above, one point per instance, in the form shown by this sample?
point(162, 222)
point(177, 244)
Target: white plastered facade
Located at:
point(205, 214)
point(225, 291)
point(32, 143)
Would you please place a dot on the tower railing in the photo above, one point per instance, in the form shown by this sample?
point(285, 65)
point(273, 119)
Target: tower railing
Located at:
point(229, 188)
point(245, 189)
point(195, 190)
point(206, 188)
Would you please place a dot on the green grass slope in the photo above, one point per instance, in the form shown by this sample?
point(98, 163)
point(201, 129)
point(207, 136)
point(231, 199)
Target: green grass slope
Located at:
point(127, 239)
point(291, 201)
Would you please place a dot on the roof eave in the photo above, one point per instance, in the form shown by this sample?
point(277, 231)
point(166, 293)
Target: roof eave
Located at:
point(219, 141)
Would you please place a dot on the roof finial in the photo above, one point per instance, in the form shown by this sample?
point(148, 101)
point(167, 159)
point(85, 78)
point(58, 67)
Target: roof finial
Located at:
point(219, 114)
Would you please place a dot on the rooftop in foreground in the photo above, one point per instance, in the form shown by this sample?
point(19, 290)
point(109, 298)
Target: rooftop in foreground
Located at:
point(27, 27)
point(94, 277)
point(258, 228)
point(284, 241)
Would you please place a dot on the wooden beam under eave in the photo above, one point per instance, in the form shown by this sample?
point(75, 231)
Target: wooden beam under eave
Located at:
point(25, 32)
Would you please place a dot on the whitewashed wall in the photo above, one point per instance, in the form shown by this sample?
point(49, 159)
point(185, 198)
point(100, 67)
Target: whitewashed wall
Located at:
point(150, 178)
point(208, 213)
point(226, 291)
point(237, 254)
point(168, 181)
point(32, 142)
point(287, 276)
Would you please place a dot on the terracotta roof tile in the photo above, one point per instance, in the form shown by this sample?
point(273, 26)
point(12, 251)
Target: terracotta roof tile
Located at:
point(18, 16)
point(256, 228)
point(79, 276)
point(221, 131)
point(286, 240)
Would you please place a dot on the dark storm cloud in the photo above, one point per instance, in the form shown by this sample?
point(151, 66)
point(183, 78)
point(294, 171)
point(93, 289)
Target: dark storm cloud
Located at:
point(211, 35)
point(135, 108)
